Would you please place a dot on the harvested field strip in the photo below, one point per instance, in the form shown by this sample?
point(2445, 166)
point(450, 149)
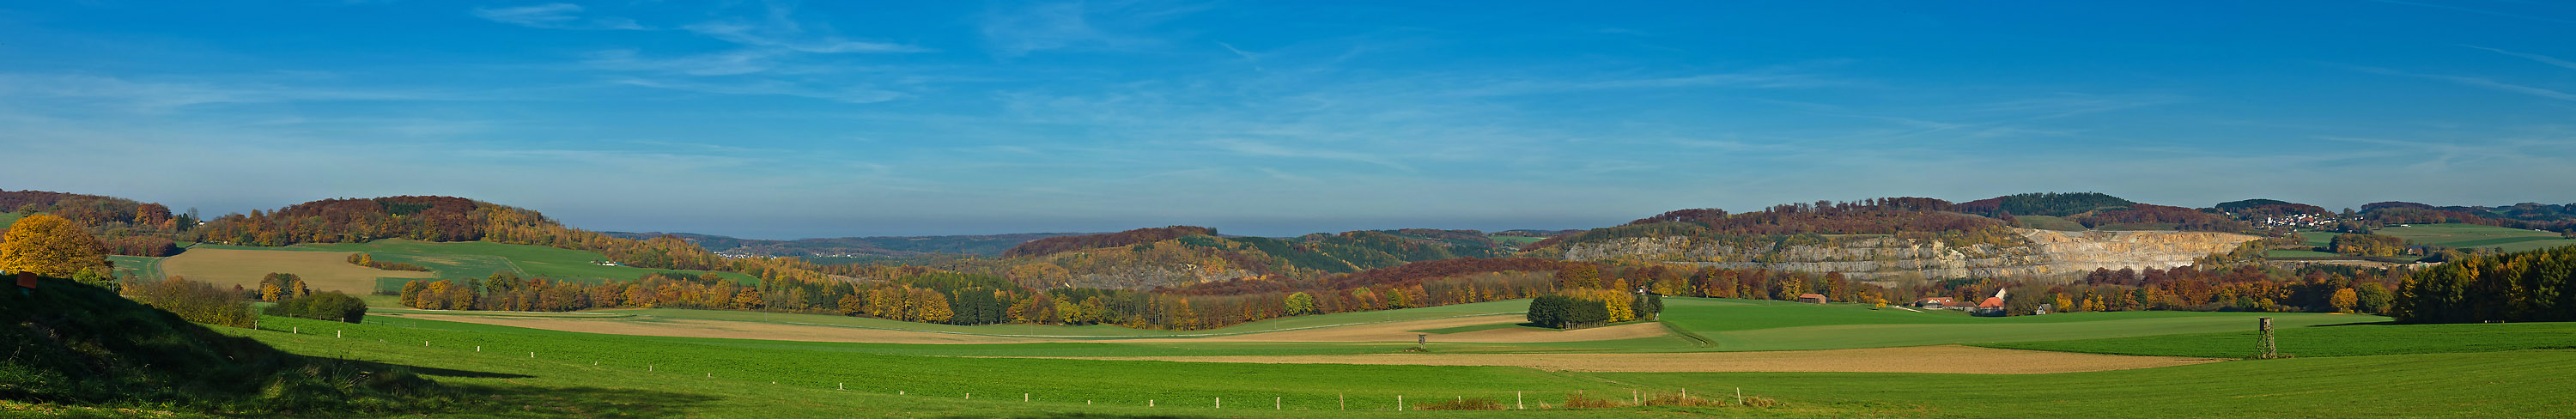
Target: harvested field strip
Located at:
point(322, 271)
point(1947, 359)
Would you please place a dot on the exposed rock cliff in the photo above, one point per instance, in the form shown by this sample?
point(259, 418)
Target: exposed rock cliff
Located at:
point(2048, 253)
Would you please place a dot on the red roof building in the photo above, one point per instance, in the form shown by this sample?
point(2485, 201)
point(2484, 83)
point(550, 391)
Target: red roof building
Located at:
point(1992, 302)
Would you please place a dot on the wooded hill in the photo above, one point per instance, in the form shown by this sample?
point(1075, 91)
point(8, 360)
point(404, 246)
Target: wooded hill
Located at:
point(885, 246)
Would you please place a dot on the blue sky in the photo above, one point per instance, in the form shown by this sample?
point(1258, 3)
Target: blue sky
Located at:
point(821, 119)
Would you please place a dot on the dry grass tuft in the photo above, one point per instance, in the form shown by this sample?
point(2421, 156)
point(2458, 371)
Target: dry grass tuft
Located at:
point(1463, 403)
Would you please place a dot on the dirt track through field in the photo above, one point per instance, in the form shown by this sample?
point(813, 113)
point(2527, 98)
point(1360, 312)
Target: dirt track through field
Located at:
point(1949, 359)
point(322, 271)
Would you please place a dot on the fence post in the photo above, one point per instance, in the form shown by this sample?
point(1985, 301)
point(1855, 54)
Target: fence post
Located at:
point(1516, 401)
point(1399, 402)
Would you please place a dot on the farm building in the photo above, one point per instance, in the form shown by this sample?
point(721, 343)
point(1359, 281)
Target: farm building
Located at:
point(1934, 302)
point(1811, 298)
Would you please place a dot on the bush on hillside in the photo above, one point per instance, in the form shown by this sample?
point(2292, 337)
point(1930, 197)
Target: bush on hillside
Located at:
point(195, 301)
point(331, 306)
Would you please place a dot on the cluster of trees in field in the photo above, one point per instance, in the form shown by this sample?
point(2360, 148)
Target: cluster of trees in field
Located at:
point(2367, 245)
point(2522, 287)
point(331, 306)
point(362, 259)
point(1587, 307)
point(278, 286)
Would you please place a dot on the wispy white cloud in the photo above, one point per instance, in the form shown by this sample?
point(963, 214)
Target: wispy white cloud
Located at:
point(1076, 25)
point(2543, 59)
point(710, 64)
point(1262, 149)
point(846, 94)
point(1247, 57)
point(151, 95)
point(789, 37)
point(555, 16)
point(2478, 82)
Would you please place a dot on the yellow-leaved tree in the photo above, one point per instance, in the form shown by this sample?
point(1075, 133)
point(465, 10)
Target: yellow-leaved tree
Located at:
point(50, 246)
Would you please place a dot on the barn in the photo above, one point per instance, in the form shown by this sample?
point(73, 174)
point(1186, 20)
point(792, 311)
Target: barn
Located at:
point(1811, 298)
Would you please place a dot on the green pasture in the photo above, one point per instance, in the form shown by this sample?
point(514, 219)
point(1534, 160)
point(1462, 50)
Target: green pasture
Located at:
point(1515, 240)
point(143, 267)
point(2336, 340)
point(2530, 383)
point(2477, 236)
point(1761, 325)
point(9, 218)
point(719, 378)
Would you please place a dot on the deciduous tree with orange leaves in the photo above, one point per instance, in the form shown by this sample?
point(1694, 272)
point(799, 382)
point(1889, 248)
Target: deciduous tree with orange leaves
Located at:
point(51, 246)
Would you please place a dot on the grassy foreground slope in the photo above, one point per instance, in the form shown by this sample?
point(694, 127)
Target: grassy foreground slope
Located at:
point(2338, 340)
point(703, 380)
point(2528, 383)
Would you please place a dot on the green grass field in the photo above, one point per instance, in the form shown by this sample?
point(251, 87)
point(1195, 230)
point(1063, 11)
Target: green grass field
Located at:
point(721, 378)
point(9, 218)
point(146, 268)
point(1762, 325)
point(1515, 240)
point(2325, 341)
point(2477, 236)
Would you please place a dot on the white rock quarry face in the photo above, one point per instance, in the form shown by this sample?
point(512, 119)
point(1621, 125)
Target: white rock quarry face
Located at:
point(2049, 254)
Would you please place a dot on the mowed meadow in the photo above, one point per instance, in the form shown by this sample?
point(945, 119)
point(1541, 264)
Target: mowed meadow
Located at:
point(566, 373)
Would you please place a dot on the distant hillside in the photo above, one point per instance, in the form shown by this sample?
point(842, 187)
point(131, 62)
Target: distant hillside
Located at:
point(126, 226)
point(884, 246)
point(1183, 255)
point(443, 219)
point(2553, 217)
point(2052, 204)
point(2269, 208)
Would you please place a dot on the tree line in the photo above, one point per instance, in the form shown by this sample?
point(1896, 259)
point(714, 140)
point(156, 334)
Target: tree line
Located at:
point(2522, 287)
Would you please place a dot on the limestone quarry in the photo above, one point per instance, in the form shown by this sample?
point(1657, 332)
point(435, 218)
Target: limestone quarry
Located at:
point(2048, 253)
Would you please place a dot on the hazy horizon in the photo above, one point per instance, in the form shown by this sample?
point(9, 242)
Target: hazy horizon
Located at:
point(784, 120)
